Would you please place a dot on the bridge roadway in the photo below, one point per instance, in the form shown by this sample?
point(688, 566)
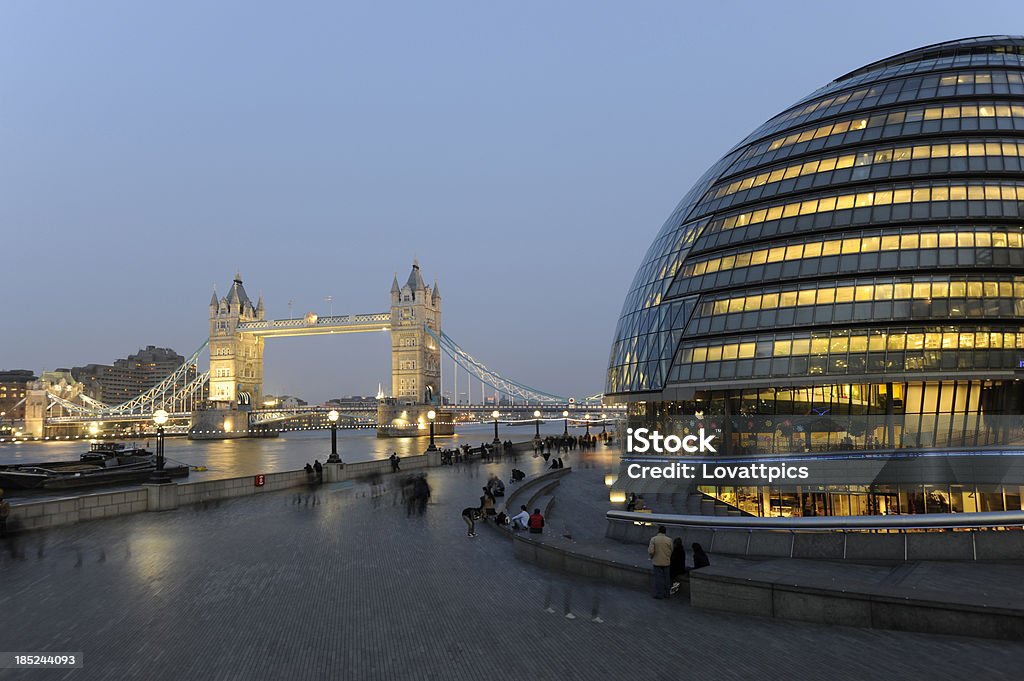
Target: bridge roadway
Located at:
point(342, 586)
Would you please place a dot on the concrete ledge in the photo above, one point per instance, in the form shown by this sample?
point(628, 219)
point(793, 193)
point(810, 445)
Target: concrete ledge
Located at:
point(553, 557)
point(967, 545)
point(717, 589)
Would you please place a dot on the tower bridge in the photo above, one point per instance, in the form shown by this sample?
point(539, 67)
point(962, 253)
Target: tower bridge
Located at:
point(226, 401)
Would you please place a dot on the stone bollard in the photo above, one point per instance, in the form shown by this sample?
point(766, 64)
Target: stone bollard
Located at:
point(161, 497)
point(334, 472)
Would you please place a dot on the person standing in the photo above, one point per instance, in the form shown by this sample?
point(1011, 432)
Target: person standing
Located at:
point(660, 552)
point(5, 512)
point(318, 468)
point(678, 567)
point(394, 462)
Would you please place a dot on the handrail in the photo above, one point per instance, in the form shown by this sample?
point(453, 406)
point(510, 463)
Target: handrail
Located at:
point(869, 522)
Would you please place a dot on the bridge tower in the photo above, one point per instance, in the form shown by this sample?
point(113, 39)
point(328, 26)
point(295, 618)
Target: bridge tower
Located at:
point(415, 356)
point(236, 359)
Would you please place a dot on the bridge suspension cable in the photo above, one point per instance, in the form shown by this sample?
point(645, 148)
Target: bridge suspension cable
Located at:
point(492, 378)
point(172, 394)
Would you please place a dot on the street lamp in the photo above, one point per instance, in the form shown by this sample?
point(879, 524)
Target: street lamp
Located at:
point(586, 417)
point(536, 415)
point(495, 414)
point(565, 421)
point(431, 415)
point(160, 418)
point(603, 424)
point(332, 416)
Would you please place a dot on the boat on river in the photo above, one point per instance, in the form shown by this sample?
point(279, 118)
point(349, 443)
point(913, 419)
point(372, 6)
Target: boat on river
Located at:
point(105, 463)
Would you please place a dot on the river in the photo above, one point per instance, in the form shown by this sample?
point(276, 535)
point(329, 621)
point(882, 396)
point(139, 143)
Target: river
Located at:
point(287, 452)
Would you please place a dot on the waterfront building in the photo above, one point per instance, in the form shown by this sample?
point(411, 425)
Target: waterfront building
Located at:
point(131, 376)
point(13, 383)
point(850, 277)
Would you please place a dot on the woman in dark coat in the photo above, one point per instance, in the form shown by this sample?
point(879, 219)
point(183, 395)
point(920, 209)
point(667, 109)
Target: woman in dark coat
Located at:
point(700, 559)
point(677, 568)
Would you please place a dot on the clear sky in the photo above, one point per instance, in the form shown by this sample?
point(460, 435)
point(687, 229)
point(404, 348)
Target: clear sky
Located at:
point(525, 152)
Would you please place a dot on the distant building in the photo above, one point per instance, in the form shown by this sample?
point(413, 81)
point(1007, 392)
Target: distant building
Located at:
point(13, 383)
point(125, 378)
point(352, 401)
point(283, 401)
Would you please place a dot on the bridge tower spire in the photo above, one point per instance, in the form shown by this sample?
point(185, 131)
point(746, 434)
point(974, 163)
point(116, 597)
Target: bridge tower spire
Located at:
point(236, 359)
point(415, 356)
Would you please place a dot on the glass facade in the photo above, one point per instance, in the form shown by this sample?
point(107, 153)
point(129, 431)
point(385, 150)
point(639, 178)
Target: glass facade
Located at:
point(849, 277)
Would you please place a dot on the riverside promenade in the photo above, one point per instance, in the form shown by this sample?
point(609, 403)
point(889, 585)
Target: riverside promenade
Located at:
point(338, 584)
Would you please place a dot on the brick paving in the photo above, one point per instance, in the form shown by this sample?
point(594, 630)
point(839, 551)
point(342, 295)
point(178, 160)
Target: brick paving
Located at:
point(339, 585)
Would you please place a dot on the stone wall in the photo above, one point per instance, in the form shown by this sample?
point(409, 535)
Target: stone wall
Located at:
point(984, 545)
point(42, 514)
point(38, 515)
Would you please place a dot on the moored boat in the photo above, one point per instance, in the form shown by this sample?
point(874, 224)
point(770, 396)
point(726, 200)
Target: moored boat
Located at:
point(105, 463)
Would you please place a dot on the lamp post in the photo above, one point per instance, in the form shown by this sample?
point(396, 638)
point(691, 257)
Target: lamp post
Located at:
point(431, 415)
point(586, 417)
point(565, 424)
point(160, 418)
point(603, 423)
point(495, 414)
point(332, 416)
point(536, 415)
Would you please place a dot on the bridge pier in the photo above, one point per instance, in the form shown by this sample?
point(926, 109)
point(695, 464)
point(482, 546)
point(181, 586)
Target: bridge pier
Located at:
point(395, 419)
point(223, 423)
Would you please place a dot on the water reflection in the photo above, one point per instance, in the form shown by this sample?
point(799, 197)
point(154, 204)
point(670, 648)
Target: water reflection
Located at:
point(289, 451)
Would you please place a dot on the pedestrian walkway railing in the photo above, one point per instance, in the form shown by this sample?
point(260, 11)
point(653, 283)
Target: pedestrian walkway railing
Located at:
point(937, 521)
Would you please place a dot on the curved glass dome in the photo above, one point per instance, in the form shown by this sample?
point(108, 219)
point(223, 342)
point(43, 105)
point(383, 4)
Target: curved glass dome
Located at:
point(871, 234)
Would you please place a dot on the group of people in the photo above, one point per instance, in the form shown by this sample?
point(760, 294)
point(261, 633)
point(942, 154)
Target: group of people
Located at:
point(569, 443)
point(314, 473)
point(488, 453)
point(524, 520)
point(668, 562)
point(495, 486)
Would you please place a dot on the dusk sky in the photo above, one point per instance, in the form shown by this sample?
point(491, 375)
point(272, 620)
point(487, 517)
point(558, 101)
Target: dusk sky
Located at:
point(526, 153)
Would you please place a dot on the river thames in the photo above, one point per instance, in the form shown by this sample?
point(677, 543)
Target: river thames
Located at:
point(289, 451)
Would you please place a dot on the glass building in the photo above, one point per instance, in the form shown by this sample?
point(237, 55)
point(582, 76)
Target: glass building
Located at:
point(850, 278)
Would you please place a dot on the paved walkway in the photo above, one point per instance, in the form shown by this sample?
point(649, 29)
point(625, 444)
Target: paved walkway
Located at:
point(342, 586)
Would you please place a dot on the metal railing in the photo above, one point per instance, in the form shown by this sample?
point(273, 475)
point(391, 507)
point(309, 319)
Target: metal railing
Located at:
point(937, 521)
point(299, 322)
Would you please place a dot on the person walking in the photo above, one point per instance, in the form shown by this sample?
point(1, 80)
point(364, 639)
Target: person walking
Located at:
point(5, 512)
point(660, 551)
point(422, 492)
